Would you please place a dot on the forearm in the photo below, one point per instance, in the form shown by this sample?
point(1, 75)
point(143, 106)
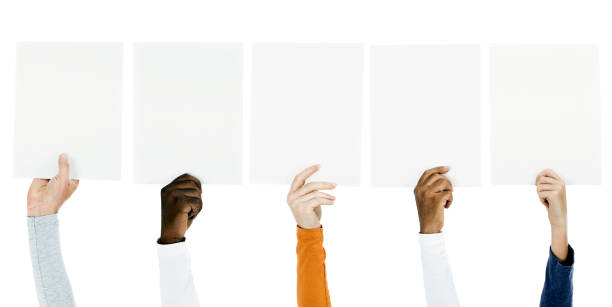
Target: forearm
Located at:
point(312, 288)
point(50, 277)
point(176, 280)
point(558, 242)
point(437, 275)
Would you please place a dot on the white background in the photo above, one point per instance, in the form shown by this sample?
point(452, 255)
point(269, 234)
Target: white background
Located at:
point(243, 245)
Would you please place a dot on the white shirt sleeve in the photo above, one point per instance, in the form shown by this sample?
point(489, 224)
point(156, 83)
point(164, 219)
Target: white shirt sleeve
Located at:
point(437, 275)
point(176, 280)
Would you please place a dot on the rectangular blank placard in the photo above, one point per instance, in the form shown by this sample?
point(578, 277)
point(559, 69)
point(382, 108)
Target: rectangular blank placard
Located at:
point(545, 113)
point(425, 111)
point(188, 112)
point(68, 100)
point(306, 109)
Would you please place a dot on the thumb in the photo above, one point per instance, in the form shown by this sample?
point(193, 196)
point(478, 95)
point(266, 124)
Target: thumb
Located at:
point(449, 201)
point(64, 167)
point(73, 186)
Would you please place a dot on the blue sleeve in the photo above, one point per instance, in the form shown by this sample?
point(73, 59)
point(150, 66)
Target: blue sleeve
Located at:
point(558, 288)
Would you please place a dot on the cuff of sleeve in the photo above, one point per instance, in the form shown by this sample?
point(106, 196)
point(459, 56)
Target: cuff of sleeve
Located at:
point(430, 239)
point(308, 235)
point(568, 262)
point(45, 220)
point(162, 243)
point(172, 250)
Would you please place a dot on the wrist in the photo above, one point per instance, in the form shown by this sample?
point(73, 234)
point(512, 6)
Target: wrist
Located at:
point(170, 238)
point(39, 213)
point(430, 228)
point(313, 226)
point(427, 231)
point(559, 242)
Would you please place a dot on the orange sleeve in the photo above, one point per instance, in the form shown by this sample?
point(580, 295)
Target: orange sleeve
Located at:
point(311, 276)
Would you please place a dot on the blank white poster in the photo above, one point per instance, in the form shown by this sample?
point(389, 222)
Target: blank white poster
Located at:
point(545, 113)
point(68, 101)
point(425, 111)
point(188, 112)
point(306, 109)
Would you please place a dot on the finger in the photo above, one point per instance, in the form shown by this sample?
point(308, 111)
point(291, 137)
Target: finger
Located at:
point(550, 173)
point(315, 185)
point(543, 179)
point(442, 184)
point(316, 202)
point(194, 204)
point(317, 194)
point(436, 170)
point(544, 197)
point(449, 200)
point(186, 192)
point(543, 187)
point(196, 207)
point(64, 167)
point(188, 177)
point(183, 194)
point(182, 184)
point(300, 178)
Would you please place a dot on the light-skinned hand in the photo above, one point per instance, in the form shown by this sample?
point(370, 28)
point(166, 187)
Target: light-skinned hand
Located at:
point(46, 196)
point(551, 192)
point(306, 199)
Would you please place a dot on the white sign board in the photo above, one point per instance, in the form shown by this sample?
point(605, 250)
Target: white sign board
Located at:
point(425, 104)
point(188, 112)
point(306, 109)
point(545, 113)
point(68, 101)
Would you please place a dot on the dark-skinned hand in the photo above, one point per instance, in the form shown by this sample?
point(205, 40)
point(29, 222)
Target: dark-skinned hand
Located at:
point(433, 194)
point(181, 202)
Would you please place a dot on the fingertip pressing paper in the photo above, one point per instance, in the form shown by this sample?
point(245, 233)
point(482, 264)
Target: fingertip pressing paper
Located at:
point(545, 113)
point(68, 100)
point(425, 112)
point(188, 112)
point(306, 109)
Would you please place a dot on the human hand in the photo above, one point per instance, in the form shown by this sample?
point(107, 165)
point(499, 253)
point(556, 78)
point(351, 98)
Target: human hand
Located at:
point(433, 193)
point(305, 200)
point(551, 191)
point(46, 196)
point(181, 202)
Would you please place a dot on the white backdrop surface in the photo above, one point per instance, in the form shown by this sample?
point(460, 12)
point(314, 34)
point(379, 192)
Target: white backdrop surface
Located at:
point(243, 245)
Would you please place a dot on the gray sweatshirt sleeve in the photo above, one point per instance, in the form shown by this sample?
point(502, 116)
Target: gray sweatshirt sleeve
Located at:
point(52, 284)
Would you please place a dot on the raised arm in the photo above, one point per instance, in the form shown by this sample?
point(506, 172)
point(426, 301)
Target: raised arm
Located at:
point(181, 202)
point(305, 201)
point(558, 288)
point(45, 198)
point(433, 194)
